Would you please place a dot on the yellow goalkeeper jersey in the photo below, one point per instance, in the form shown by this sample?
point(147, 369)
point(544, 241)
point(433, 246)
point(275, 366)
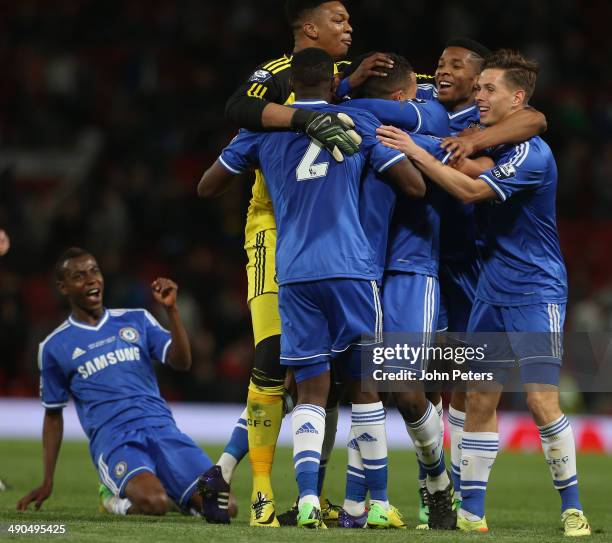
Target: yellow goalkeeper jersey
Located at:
point(270, 80)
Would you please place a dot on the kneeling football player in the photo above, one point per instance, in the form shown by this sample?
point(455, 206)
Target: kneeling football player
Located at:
point(104, 358)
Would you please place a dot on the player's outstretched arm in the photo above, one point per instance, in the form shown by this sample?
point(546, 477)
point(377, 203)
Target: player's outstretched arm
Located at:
point(275, 116)
point(458, 184)
point(254, 113)
point(53, 431)
point(331, 130)
point(215, 181)
point(408, 178)
point(179, 354)
point(516, 128)
point(473, 167)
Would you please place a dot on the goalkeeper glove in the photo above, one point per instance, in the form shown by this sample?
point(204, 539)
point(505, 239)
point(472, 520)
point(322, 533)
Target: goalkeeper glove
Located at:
point(334, 131)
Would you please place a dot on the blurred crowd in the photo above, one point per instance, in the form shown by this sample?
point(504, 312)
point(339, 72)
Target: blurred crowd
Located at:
point(111, 110)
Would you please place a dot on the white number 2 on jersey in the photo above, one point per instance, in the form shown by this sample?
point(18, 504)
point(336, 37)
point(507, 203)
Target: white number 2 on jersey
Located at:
point(307, 169)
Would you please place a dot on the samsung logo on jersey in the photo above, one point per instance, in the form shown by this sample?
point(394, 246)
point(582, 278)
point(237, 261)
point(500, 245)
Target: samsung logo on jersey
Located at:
point(129, 354)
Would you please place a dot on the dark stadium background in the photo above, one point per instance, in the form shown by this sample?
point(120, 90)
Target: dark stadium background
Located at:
point(111, 110)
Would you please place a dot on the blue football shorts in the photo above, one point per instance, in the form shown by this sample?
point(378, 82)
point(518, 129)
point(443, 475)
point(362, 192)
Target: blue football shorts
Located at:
point(531, 335)
point(458, 281)
point(410, 304)
point(322, 320)
point(164, 451)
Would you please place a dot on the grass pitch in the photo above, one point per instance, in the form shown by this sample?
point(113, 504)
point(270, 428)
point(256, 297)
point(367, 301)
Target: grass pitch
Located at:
point(521, 505)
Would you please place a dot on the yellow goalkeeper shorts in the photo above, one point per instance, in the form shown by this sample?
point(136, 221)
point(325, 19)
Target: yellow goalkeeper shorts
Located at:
point(262, 285)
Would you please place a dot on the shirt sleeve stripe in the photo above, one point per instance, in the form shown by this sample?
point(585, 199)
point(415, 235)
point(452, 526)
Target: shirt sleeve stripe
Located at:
point(391, 161)
point(165, 351)
point(252, 89)
point(281, 68)
point(418, 127)
point(151, 319)
point(228, 167)
point(495, 187)
point(275, 62)
point(154, 321)
point(522, 150)
point(42, 345)
point(524, 155)
point(54, 405)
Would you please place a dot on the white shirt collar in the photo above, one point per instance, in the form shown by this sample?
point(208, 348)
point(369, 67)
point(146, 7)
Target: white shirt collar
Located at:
point(97, 327)
point(461, 111)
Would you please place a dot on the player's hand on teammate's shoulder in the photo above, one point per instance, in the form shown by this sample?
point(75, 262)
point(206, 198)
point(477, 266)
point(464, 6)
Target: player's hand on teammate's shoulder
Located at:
point(38, 496)
point(395, 138)
point(164, 291)
point(372, 66)
point(334, 131)
point(5, 242)
point(470, 130)
point(460, 146)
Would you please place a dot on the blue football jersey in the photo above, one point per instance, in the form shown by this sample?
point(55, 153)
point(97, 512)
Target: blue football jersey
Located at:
point(427, 91)
point(468, 117)
point(521, 261)
point(315, 198)
point(376, 207)
point(417, 116)
point(378, 195)
point(458, 120)
point(459, 234)
point(108, 371)
point(414, 238)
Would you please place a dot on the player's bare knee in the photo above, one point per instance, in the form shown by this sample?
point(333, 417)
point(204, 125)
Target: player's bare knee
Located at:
point(361, 392)
point(480, 405)
point(544, 406)
point(458, 400)
point(411, 405)
point(314, 390)
point(434, 396)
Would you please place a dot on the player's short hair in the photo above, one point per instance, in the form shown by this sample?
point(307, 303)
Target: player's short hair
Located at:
point(480, 52)
point(377, 87)
point(519, 72)
point(311, 67)
point(295, 10)
point(68, 254)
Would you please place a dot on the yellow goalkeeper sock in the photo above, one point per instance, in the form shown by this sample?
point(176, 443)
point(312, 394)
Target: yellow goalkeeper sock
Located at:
point(265, 414)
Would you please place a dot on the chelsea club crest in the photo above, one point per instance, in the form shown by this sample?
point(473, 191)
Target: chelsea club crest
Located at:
point(120, 469)
point(129, 334)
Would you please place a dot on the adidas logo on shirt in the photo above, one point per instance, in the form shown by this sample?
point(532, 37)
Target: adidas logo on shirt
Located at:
point(306, 428)
point(77, 352)
point(366, 437)
point(352, 444)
